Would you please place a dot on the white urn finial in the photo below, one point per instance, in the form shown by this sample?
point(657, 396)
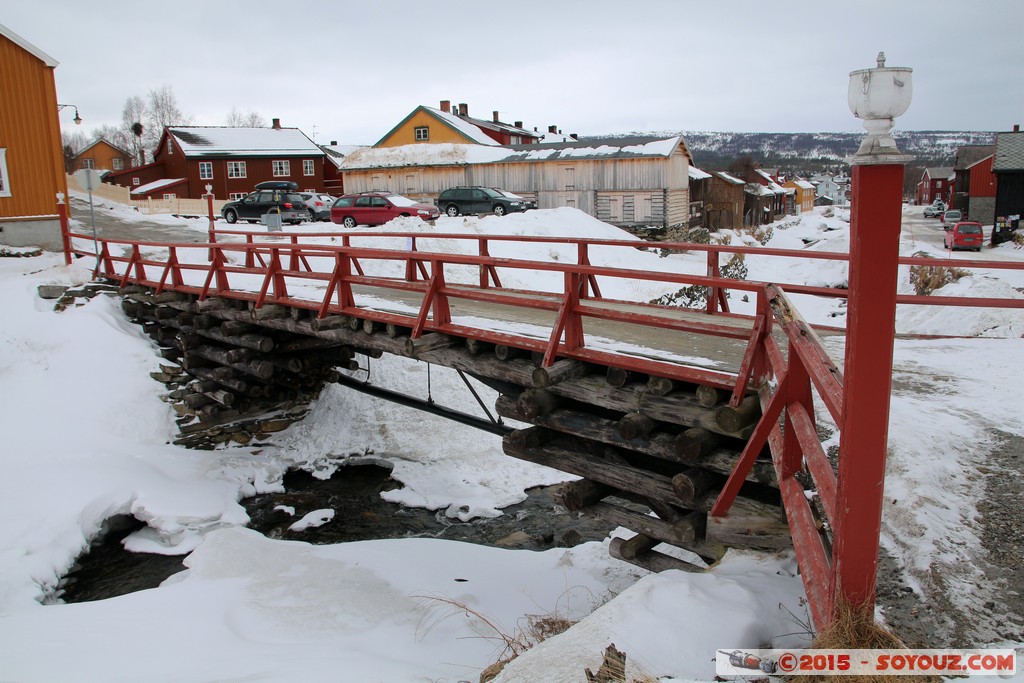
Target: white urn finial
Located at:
point(878, 96)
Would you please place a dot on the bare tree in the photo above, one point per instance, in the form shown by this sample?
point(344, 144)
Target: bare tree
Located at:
point(162, 111)
point(132, 115)
point(237, 119)
point(72, 143)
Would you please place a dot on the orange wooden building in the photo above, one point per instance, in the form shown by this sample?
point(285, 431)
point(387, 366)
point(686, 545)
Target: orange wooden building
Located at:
point(102, 156)
point(31, 159)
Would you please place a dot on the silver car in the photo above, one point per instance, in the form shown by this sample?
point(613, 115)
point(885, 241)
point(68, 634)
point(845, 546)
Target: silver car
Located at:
point(319, 205)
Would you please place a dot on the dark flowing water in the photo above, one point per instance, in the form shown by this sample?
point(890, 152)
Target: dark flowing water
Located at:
point(537, 523)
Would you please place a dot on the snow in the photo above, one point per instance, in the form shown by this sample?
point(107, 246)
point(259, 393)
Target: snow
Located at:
point(86, 439)
point(463, 126)
point(156, 185)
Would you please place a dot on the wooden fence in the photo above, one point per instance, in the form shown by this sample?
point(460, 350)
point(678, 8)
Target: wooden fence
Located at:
point(122, 195)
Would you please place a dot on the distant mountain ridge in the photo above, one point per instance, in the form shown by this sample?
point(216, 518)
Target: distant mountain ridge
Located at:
point(814, 152)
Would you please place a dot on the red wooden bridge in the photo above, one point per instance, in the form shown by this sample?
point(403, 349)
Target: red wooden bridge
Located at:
point(773, 359)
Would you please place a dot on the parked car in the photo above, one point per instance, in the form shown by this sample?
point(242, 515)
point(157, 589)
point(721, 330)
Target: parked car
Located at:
point(950, 217)
point(377, 208)
point(964, 235)
point(253, 206)
point(934, 210)
point(458, 200)
point(319, 205)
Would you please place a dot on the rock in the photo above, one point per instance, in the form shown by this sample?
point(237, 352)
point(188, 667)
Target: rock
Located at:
point(516, 538)
point(51, 291)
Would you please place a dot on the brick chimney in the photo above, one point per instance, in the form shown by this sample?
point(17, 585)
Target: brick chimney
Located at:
point(574, 136)
point(334, 143)
point(552, 129)
point(446, 106)
point(496, 120)
point(519, 124)
point(463, 109)
point(275, 124)
point(1016, 128)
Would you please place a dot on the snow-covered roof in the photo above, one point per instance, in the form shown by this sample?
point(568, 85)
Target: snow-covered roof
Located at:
point(729, 178)
point(447, 154)
point(803, 184)
point(221, 141)
point(697, 174)
point(598, 148)
point(156, 185)
point(463, 126)
point(27, 46)
point(759, 190)
point(337, 153)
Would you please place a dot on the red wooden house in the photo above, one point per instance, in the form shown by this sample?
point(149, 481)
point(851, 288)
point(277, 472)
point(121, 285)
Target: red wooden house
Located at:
point(935, 184)
point(232, 160)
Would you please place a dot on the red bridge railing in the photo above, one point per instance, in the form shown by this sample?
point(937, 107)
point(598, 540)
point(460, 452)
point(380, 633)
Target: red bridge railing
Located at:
point(301, 270)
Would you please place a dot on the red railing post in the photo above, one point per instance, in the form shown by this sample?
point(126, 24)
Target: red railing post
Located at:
point(875, 219)
point(583, 258)
point(65, 230)
point(712, 295)
point(211, 230)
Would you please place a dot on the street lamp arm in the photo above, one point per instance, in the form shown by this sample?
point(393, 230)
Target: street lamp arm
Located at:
point(77, 119)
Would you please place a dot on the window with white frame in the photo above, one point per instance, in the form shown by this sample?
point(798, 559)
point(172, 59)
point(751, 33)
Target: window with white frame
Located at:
point(307, 167)
point(135, 181)
point(170, 147)
point(282, 168)
point(205, 170)
point(236, 169)
point(233, 196)
point(88, 164)
point(422, 133)
point(170, 196)
point(117, 164)
point(5, 185)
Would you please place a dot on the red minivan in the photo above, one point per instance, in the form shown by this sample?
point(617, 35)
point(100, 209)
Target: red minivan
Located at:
point(964, 235)
point(377, 208)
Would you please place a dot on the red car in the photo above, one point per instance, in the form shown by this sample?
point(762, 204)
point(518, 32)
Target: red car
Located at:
point(377, 208)
point(964, 235)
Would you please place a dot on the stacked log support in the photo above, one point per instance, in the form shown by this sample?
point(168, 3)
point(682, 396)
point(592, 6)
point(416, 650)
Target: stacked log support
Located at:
point(652, 454)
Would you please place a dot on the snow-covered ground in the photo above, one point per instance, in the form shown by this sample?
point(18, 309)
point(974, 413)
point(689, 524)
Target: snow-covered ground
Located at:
point(87, 438)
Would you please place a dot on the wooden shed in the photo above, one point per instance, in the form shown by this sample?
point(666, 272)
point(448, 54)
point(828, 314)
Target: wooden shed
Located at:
point(31, 157)
point(626, 181)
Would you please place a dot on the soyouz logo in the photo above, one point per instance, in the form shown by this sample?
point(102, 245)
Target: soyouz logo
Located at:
point(975, 662)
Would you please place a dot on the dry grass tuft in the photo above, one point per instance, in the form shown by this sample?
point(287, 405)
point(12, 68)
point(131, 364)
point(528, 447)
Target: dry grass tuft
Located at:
point(926, 279)
point(856, 629)
point(1018, 239)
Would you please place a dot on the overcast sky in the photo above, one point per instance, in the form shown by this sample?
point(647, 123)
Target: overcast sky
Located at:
point(350, 71)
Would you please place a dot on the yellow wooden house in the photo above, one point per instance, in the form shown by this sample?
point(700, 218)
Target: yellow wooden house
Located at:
point(31, 158)
point(803, 201)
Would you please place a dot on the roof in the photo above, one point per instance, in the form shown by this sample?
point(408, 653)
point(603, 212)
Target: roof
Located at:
point(619, 147)
point(759, 190)
point(939, 172)
point(697, 174)
point(337, 153)
point(98, 141)
point(221, 141)
point(729, 178)
point(1009, 152)
point(156, 185)
point(448, 154)
point(969, 155)
point(461, 126)
point(984, 158)
point(802, 184)
point(27, 46)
